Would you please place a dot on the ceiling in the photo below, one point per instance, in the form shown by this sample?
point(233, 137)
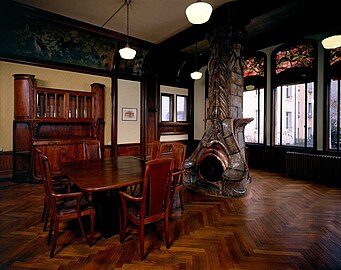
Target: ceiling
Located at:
point(164, 21)
point(144, 22)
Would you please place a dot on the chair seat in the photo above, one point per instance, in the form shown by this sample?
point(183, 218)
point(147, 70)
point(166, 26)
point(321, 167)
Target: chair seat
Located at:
point(69, 207)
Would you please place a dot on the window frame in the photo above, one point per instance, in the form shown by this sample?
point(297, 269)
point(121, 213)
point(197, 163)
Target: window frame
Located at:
point(289, 77)
point(256, 75)
point(171, 107)
point(176, 106)
point(333, 73)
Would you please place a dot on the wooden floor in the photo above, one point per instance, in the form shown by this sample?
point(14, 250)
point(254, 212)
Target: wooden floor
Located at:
point(280, 224)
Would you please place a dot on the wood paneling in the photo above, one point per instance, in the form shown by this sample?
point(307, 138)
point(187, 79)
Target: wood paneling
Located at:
point(6, 163)
point(128, 149)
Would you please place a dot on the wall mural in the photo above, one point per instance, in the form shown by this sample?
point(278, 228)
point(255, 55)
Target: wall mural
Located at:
point(31, 38)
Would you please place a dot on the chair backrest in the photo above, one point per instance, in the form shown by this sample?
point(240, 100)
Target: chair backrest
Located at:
point(157, 185)
point(92, 149)
point(156, 147)
point(166, 149)
point(47, 180)
point(179, 155)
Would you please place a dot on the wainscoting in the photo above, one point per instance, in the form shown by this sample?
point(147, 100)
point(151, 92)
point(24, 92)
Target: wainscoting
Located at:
point(6, 164)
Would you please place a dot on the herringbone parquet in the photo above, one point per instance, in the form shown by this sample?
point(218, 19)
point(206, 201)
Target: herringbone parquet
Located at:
point(280, 224)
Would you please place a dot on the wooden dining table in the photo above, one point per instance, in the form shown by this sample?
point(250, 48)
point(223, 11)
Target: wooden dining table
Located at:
point(101, 179)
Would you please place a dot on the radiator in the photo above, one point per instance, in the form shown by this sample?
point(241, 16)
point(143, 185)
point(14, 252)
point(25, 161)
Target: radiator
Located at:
point(326, 168)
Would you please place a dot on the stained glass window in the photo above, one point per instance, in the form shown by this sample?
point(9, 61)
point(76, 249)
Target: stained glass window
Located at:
point(295, 56)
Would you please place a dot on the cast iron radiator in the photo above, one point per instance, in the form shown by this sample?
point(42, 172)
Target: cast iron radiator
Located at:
point(326, 168)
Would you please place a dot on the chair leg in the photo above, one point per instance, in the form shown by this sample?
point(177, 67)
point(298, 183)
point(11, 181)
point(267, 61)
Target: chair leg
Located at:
point(44, 211)
point(123, 225)
point(181, 196)
point(167, 231)
point(55, 236)
point(142, 241)
point(50, 231)
point(47, 216)
point(82, 230)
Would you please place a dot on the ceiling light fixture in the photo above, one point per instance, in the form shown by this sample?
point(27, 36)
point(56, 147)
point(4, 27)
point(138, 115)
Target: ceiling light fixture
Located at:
point(196, 75)
point(127, 52)
point(199, 12)
point(332, 42)
point(250, 87)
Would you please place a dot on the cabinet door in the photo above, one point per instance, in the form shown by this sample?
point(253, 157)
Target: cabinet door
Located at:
point(49, 105)
point(81, 106)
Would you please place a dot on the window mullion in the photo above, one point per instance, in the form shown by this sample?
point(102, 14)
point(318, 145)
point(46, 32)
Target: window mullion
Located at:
point(258, 115)
point(281, 115)
point(338, 115)
point(306, 113)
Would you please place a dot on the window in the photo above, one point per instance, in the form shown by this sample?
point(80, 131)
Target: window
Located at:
point(171, 109)
point(334, 100)
point(288, 119)
point(181, 108)
point(294, 94)
point(253, 97)
point(289, 92)
point(310, 110)
point(166, 108)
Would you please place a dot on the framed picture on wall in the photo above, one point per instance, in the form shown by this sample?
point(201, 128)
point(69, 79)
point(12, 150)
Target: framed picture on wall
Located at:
point(129, 114)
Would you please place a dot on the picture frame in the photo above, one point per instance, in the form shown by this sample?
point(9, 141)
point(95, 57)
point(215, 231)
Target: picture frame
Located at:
point(129, 114)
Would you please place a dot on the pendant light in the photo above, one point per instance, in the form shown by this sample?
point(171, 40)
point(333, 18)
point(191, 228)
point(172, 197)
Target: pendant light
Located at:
point(199, 12)
point(196, 75)
point(127, 52)
point(332, 42)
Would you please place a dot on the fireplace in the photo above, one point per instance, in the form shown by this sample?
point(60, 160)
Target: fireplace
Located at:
point(212, 162)
point(218, 165)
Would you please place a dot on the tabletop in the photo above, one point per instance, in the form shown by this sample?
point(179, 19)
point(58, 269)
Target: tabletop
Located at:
point(96, 175)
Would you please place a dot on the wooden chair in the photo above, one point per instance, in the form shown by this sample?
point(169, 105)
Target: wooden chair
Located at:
point(64, 207)
point(179, 156)
point(154, 203)
point(60, 184)
point(166, 149)
point(156, 146)
point(92, 149)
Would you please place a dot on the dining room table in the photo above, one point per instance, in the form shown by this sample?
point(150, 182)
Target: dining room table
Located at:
point(101, 180)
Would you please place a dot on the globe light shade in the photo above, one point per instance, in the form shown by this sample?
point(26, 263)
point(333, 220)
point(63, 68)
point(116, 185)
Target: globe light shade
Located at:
point(250, 87)
point(332, 42)
point(196, 75)
point(199, 12)
point(127, 52)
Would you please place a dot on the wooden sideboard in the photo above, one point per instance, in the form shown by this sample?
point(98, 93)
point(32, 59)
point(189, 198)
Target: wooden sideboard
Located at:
point(55, 120)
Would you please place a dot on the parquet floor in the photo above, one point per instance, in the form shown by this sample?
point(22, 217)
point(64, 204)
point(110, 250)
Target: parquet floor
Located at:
point(280, 224)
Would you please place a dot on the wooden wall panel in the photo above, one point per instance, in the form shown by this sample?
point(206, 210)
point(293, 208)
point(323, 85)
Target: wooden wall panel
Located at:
point(6, 163)
point(128, 149)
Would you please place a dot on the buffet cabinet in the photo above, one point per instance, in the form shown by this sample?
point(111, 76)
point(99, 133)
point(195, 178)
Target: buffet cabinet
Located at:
point(56, 121)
